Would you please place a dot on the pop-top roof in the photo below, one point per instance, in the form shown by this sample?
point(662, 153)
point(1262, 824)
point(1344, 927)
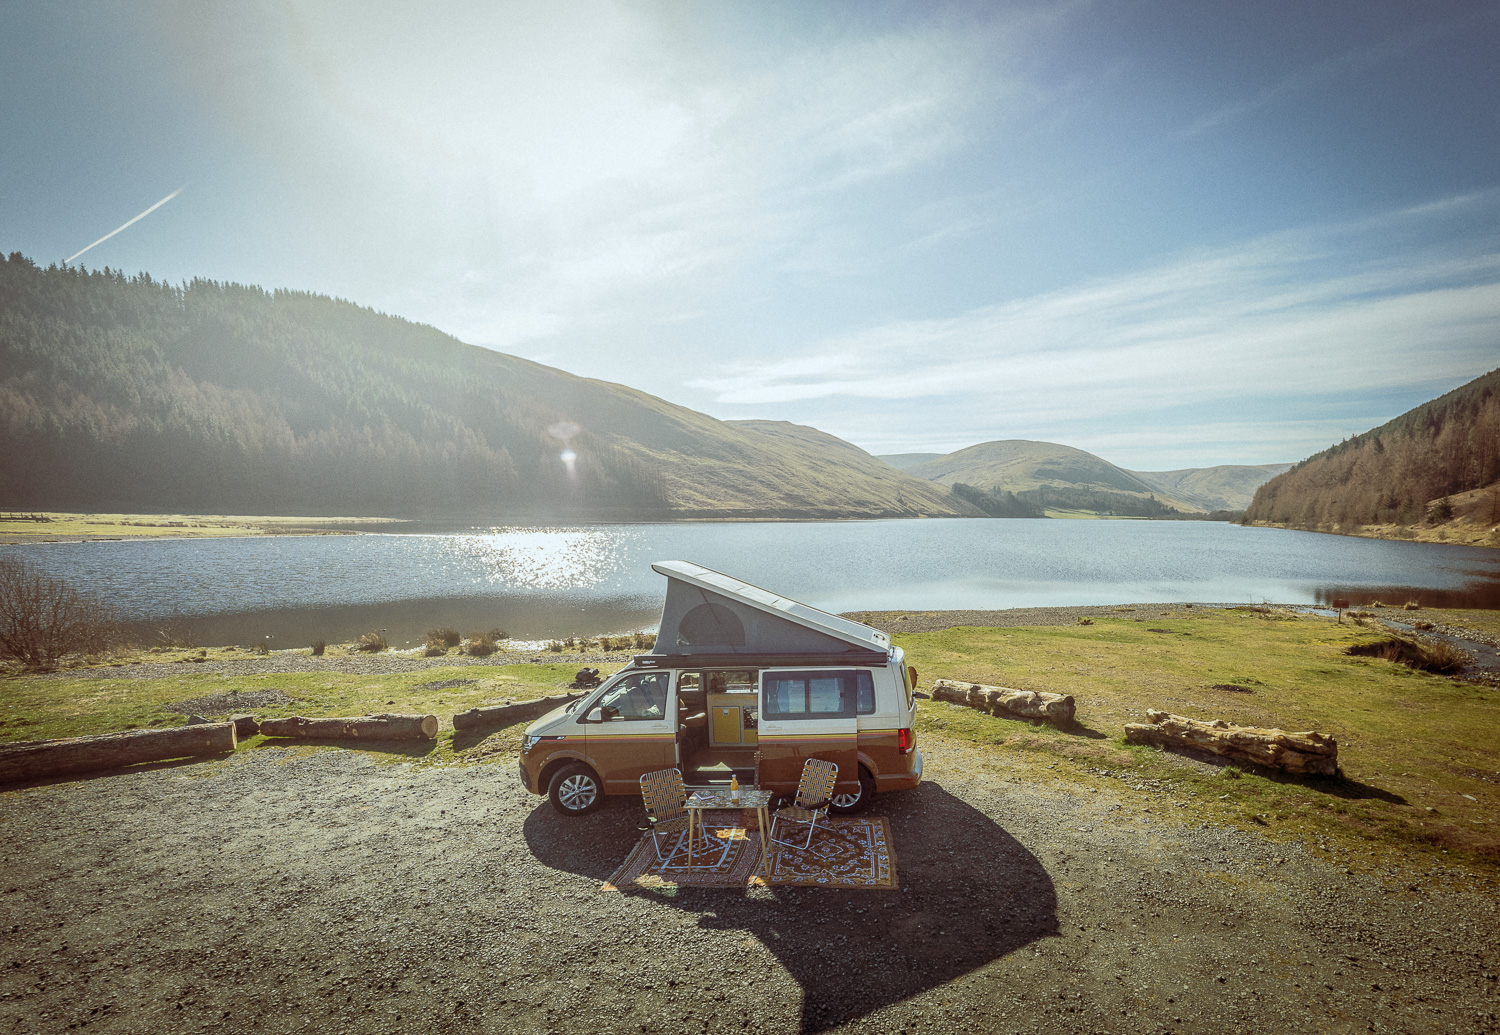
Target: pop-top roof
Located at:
point(708, 612)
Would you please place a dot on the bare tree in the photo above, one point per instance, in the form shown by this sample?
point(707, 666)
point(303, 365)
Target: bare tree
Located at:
point(42, 618)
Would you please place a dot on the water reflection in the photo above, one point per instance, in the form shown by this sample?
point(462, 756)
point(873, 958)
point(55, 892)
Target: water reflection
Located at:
point(540, 558)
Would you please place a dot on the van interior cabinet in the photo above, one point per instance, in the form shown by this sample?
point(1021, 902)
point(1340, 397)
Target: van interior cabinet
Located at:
point(731, 720)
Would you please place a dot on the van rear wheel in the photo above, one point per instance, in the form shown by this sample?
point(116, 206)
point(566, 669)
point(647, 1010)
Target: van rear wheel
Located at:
point(575, 790)
point(846, 803)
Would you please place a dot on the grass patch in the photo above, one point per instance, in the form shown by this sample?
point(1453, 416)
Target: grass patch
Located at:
point(41, 709)
point(1435, 656)
point(1408, 740)
point(58, 525)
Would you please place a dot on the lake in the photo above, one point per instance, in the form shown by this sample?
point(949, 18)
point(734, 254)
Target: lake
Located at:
point(538, 583)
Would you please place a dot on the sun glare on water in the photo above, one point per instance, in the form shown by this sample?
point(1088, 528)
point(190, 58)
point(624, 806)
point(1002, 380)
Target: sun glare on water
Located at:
point(545, 558)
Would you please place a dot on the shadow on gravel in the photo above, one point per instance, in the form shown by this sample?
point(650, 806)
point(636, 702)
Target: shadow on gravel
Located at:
point(124, 770)
point(409, 748)
point(970, 894)
point(1340, 786)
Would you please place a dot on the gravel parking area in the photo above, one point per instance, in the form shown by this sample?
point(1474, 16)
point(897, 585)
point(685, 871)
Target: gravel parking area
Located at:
point(282, 890)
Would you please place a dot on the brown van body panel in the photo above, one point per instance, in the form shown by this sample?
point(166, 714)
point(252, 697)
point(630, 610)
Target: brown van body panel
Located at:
point(782, 759)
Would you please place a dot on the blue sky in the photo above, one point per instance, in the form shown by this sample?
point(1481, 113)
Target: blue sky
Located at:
point(1174, 234)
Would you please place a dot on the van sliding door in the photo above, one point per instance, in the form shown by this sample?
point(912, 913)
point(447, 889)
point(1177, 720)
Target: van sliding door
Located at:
point(808, 714)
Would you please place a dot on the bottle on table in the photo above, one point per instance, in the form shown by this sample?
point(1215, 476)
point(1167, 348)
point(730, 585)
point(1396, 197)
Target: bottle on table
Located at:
point(734, 788)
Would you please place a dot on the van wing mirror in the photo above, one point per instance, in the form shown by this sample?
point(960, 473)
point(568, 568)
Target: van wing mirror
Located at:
point(594, 715)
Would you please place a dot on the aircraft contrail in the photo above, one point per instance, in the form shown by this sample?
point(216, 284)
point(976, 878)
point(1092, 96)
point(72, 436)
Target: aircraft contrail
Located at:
point(117, 229)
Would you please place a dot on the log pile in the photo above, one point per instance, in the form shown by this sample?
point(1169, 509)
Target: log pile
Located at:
point(46, 758)
point(1006, 702)
point(366, 727)
point(509, 712)
point(1308, 753)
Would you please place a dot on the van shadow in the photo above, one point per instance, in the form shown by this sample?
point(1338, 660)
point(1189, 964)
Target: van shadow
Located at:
point(969, 894)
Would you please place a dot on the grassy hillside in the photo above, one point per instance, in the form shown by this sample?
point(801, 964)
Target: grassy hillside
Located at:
point(1226, 487)
point(1433, 472)
point(1052, 476)
point(126, 395)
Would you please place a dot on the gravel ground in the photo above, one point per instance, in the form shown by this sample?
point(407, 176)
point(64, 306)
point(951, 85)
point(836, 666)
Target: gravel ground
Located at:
point(285, 891)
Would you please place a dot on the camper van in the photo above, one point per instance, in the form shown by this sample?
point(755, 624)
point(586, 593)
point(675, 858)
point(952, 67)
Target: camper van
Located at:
point(742, 683)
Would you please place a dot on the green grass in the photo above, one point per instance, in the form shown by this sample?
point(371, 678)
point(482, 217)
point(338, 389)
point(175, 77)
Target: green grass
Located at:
point(1408, 741)
point(41, 709)
point(110, 526)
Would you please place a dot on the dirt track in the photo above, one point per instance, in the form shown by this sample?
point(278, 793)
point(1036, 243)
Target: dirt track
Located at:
point(279, 892)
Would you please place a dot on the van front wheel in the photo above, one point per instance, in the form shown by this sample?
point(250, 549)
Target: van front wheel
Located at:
point(575, 790)
point(856, 802)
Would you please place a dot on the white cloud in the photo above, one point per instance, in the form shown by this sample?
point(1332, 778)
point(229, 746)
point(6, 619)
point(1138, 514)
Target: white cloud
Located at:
point(1298, 318)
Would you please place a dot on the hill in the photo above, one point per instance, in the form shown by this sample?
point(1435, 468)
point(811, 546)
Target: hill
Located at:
point(124, 394)
point(906, 461)
point(1054, 476)
point(1433, 472)
point(1226, 487)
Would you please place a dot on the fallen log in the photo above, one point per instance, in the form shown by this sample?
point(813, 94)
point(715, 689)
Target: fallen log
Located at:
point(366, 727)
point(1308, 752)
point(509, 712)
point(44, 758)
point(1006, 702)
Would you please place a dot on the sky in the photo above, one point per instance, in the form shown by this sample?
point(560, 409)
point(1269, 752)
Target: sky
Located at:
point(1175, 234)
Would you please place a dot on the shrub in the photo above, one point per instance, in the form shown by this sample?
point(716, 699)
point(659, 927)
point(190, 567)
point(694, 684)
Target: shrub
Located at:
point(42, 618)
point(1424, 655)
point(556, 646)
point(499, 634)
point(643, 641)
point(372, 642)
point(1412, 605)
point(1422, 625)
point(1440, 511)
point(442, 636)
point(480, 645)
point(318, 647)
point(1085, 621)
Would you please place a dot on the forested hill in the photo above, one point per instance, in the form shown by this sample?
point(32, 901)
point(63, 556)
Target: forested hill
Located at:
point(1399, 474)
point(128, 394)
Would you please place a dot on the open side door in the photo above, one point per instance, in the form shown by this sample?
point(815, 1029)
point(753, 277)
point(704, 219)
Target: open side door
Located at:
point(808, 713)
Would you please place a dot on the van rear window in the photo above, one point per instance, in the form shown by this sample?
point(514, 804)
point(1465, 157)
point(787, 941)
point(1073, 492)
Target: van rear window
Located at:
point(820, 694)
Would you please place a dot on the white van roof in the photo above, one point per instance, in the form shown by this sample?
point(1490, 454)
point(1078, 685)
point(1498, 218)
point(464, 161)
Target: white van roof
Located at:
point(708, 612)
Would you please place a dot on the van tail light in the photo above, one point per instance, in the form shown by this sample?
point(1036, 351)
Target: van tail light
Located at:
point(903, 741)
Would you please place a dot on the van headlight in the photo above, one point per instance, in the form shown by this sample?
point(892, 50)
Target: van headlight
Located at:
point(528, 742)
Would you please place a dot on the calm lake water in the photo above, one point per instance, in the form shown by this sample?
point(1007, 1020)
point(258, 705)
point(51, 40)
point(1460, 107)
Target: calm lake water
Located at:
point(538, 583)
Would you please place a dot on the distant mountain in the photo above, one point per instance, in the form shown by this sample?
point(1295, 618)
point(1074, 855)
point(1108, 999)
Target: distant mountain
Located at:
point(906, 461)
point(1227, 487)
point(1056, 477)
point(133, 395)
point(1434, 468)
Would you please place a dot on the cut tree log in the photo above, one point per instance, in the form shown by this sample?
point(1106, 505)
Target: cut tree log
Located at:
point(509, 712)
point(364, 727)
point(1308, 752)
point(44, 758)
point(1007, 702)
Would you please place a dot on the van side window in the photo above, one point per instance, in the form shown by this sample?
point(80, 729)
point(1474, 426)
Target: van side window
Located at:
point(639, 697)
point(821, 694)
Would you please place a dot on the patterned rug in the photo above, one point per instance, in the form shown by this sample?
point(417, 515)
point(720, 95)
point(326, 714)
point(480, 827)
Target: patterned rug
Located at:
point(846, 852)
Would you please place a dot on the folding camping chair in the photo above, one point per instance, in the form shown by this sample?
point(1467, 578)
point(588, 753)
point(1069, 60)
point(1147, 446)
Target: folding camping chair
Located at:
point(814, 792)
point(665, 798)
